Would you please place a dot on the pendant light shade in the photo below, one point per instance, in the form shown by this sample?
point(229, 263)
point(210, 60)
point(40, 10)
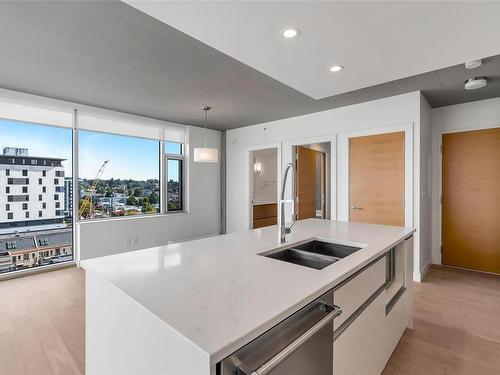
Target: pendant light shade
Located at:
point(206, 154)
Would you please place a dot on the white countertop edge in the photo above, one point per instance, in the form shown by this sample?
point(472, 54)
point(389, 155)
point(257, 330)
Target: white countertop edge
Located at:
point(134, 301)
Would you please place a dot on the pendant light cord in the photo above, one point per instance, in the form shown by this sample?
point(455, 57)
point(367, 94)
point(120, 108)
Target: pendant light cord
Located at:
point(206, 121)
point(206, 109)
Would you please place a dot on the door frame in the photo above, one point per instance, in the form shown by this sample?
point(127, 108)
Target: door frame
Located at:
point(343, 166)
point(289, 154)
point(436, 251)
point(249, 164)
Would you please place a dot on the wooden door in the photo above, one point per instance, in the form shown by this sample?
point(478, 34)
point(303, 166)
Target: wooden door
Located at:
point(471, 200)
point(306, 183)
point(376, 179)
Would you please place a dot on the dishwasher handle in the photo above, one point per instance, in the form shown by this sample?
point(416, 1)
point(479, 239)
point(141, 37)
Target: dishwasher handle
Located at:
point(294, 345)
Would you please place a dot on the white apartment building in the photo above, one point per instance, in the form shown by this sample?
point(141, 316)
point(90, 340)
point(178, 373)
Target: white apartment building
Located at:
point(68, 197)
point(31, 191)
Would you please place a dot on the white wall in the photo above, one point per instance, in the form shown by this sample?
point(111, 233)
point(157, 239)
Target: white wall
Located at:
point(425, 186)
point(106, 237)
point(316, 127)
point(483, 114)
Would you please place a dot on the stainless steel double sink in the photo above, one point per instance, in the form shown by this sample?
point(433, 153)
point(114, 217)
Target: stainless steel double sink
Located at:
point(313, 254)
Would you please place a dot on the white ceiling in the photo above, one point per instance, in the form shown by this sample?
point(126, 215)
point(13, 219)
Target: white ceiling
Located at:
point(377, 42)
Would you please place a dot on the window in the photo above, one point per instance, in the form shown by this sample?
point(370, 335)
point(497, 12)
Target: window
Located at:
point(56, 181)
point(173, 148)
point(34, 145)
point(130, 181)
point(174, 185)
point(7, 172)
point(11, 245)
point(56, 197)
point(44, 241)
point(174, 176)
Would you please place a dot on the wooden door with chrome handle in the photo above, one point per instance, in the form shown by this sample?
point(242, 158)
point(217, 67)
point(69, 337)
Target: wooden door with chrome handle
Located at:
point(376, 179)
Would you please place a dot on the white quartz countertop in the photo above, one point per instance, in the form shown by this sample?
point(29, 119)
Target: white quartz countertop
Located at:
point(220, 294)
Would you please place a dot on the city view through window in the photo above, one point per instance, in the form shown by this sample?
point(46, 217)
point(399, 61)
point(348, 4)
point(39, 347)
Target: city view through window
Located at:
point(117, 176)
point(35, 195)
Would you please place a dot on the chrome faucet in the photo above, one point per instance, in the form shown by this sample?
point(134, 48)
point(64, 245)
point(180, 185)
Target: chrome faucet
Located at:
point(284, 230)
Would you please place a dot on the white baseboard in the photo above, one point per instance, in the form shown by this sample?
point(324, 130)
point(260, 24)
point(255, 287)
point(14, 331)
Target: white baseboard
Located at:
point(419, 276)
point(425, 270)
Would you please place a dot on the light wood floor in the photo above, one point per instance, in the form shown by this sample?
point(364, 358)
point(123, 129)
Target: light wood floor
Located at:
point(457, 325)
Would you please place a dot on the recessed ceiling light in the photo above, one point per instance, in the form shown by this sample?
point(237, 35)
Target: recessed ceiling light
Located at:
point(290, 33)
point(336, 68)
point(473, 64)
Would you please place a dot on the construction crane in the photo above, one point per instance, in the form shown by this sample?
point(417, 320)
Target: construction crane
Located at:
point(87, 200)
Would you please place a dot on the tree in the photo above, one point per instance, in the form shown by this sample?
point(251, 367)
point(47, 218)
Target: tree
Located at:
point(131, 201)
point(146, 206)
point(137, 192)
point(109, 193)
point(153, 197)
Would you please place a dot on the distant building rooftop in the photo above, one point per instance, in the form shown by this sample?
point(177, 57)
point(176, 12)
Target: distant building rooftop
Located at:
point(15, 243)
point(17, 155)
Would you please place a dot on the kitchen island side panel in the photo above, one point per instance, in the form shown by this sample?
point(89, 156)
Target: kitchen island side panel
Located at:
point(122, 337)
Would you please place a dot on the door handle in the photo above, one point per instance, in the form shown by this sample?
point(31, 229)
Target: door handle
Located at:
point(355, 208)
point(288, 350)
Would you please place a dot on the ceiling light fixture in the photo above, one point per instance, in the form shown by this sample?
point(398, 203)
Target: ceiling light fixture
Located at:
point(290, 33)
point(205, 154)
point(336, 68)
point(473, 64)
point(475, 83)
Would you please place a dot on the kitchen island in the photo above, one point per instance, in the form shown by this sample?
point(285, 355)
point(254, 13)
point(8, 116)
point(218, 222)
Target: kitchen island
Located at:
point(183, 308)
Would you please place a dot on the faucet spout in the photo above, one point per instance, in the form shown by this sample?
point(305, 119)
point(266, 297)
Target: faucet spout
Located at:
point(284, 230)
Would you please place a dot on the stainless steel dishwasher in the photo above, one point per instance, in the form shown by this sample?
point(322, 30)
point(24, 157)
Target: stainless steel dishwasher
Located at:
point(302, 344)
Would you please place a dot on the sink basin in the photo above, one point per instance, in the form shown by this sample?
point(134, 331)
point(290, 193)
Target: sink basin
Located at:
point(314, 254)
point(331, 249)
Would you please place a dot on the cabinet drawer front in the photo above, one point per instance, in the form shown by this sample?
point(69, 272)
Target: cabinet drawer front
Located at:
point(360, 349)
point(351, 295)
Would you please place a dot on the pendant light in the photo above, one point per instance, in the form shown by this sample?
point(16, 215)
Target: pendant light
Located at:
point(205, 154)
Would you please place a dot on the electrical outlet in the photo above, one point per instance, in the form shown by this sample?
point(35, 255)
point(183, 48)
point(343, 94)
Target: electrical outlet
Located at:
point(136, 241)
point(128, 241)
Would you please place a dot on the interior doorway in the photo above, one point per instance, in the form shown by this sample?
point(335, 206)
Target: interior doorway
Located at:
point(377, 179)
point(264, 187)
point(470, 203)
point(312, 188)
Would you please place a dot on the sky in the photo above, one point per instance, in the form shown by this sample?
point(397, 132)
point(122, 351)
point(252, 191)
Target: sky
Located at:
point(129, 157)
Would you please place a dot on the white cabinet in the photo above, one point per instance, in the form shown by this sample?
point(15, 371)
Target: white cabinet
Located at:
point(353, 293)
point(375, 318)
point(360, 349)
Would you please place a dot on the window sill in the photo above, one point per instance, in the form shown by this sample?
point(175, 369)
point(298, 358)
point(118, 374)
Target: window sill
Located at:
point(132, 217)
